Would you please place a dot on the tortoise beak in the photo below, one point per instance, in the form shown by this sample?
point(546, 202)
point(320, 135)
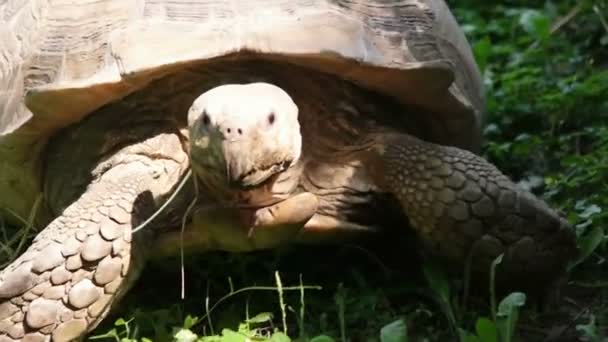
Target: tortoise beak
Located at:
point(247, 177)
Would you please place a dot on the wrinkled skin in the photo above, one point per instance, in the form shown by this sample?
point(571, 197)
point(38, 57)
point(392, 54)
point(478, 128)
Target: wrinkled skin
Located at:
point(307, 159)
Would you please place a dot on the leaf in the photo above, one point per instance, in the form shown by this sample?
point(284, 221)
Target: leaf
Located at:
point(214, 338)
point(587, 244)
point(465, 336)
point(232, 336)
point(493, 266)
point(536, 24)
point(437, 281)
point(508, 314)
point(190, 321)
point(486, 330)
point(589, 330)
point(261, 318)
point(322, 338)
point(482, 50)
point(185, 335)
point(394, 332)
point(280, 337)
point(119, 322)
point(590, 211)
point(439, 284)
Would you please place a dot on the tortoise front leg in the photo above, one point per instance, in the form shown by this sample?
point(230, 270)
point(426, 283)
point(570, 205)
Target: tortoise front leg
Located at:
point(461, 206)
point(66, 281)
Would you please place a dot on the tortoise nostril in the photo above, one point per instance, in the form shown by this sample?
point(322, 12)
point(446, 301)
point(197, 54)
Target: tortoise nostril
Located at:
point(240, 131)
point(228, 130)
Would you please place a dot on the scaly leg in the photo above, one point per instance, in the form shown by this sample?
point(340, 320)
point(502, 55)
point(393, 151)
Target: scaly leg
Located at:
point(461, 206)
point(66, 281)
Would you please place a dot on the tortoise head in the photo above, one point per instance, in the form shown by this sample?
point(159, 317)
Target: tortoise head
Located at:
point(242, 135)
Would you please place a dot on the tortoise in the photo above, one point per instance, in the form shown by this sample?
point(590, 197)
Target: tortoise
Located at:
point(302, 121)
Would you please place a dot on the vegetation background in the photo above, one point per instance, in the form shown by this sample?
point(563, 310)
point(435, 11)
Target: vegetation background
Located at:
point(545, 65)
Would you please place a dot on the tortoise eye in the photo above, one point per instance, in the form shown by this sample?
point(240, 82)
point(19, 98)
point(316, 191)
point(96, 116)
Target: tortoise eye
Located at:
point(206, 119)
point(271, 118)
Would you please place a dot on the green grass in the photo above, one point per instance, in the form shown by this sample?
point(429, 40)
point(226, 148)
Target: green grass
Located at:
point(545, 66)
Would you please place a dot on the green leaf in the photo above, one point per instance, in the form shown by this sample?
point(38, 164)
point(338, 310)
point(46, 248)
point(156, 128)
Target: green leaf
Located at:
point(508, 314)
point(587, 244)
point(438, 281)
point(190, 321)
point(482, 50)
point(280, 337)
point(119, 322)
point(465, 336)
point(322, 338)
point(439, 284)
point(493, 266)
point(214, 338)
point(261, 318)
point(590, 211)
point(394, 332)
point(185, 335)
point(486, 330)
point(536, 24)
point(589, 330)
point(232, 336)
